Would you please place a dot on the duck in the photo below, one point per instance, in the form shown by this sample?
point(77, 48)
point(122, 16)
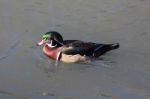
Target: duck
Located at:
point(72, 51)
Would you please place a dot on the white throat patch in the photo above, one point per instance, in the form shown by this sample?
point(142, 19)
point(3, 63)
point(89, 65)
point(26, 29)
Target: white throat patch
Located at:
point(51, 44)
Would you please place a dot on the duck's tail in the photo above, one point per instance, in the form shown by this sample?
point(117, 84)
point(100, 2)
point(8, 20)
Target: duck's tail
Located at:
point(114, 46)
point(103, 48)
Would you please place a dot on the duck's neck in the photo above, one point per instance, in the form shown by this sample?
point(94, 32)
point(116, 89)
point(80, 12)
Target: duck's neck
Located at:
point(49, 48)
point(50, 52)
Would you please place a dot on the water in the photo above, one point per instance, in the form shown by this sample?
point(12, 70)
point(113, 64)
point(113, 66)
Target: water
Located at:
point(25, 73)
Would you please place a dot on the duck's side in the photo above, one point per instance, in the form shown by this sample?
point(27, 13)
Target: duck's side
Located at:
point(89, 48)
point(59, 55)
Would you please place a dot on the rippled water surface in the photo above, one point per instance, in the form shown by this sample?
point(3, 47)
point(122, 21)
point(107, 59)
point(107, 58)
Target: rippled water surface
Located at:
point(25, 73)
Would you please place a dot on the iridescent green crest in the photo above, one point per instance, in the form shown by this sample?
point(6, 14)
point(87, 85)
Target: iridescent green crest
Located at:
point(45, 37)
point(52, 34)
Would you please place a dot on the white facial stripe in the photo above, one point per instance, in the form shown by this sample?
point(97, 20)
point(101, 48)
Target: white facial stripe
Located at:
point(51, 44)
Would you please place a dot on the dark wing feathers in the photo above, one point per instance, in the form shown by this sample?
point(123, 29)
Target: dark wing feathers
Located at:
point(80, 47)
point(78, 44)
point(88, 48)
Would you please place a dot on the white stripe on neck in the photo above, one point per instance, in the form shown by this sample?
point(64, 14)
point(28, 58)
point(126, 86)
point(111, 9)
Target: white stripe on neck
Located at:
point(50, 45)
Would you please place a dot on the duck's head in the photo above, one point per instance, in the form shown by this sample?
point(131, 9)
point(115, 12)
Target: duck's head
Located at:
point(52, 39)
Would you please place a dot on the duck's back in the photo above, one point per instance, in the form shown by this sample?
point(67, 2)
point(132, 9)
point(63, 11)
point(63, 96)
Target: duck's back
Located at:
point(79, 44)
point(80, 47)
point(88, 48)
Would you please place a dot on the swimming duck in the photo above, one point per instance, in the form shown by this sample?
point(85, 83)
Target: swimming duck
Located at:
point(71, 51)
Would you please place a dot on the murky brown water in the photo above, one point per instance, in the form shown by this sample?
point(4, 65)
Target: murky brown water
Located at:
point(25, 73)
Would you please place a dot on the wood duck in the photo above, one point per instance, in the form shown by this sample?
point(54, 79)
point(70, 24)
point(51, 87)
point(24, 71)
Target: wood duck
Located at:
point(71, 51)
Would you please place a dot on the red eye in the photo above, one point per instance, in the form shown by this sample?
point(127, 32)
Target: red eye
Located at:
point(51, 38)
